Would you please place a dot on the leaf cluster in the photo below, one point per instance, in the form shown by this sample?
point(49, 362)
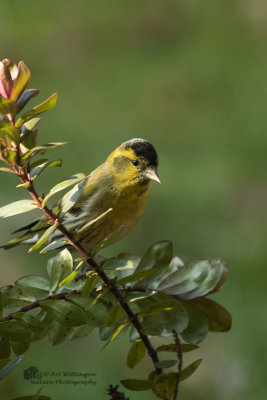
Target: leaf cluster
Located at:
point(157, 295)
point(21, 134)
point(166, 295)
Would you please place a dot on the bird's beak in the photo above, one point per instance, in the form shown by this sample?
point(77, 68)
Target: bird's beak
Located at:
point(151, 173)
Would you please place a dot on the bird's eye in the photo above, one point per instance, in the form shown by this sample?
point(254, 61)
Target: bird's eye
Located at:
point(135, 162)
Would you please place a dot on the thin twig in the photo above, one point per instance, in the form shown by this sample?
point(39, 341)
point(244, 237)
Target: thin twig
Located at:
point(180, 362)
point(37, 303)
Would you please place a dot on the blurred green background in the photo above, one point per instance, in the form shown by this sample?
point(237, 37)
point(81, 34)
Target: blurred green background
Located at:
point(191, 77)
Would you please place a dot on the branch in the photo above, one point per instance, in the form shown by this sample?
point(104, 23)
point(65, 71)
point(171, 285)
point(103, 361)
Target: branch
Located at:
point(180, 362)
point(36, 303)
point(24, 177)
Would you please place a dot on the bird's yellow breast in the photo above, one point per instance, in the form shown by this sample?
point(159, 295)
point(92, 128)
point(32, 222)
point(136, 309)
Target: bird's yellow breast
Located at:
point(127, 208)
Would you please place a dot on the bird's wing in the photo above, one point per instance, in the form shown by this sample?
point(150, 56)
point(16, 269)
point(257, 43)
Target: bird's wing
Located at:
point(93, 201)
point(88, 207)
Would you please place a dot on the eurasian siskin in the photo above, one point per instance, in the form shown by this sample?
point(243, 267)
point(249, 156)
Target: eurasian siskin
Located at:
point(111, 202)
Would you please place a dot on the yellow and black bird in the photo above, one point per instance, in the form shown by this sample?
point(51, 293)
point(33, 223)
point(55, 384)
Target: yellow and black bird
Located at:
point(112, 200)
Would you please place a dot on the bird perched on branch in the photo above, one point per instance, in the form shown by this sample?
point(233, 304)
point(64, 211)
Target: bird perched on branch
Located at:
point(111, 200)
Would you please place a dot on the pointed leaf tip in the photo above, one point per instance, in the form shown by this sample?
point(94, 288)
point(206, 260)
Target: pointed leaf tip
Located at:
point(21, 81)
point(18, 207)
point(136, 384)
point(136, 353)
point(47, 105)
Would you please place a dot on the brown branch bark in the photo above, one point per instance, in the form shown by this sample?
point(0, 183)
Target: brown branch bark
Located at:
point(180, 362)
point(36, 303)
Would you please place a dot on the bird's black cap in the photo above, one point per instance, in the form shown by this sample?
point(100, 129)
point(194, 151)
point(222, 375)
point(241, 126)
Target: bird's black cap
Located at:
point(144, 149)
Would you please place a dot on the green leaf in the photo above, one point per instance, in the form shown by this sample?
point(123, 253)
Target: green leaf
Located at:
point(153, 281)
point(166, 363)
point(136, 277)
point(190, 369)
point(13, 296)
point(66, 313)
point(99, 297)
point(117, 314)
point(154, 324)
point(15, 331)
point(136, 384)
point(48, 104)
point(105, 332)
point(3, 169)
point(159, 307)
point(171, 314)
point(133, 335)
point(71, 198)
point(70, 277)
point(56, 244)
point(172, 347)
point(43, 148)
point(41, 167)
point(217, 268)
point(219, 319)
point(116, 333)
point(81, 301)
point(197, 328)
point(30, 125)
point(21, 81)
point(4, 348)
point(10, 366)
point(159, 255)
point(24, 185)
point(135, 297)
point(58, 333)
point(80, 331)
point(45, 236)
point(186, 278)
point(38, 327)
point(124, 264)
point(37, 162)
point(46, 322)
point(25, 97)
point(35, 285)
point(198, 278)
point(28, 140)
point(90, 284)
point(223, 277)
point(71, 180)
point(11, 131)
point(9, 157)
point(136, 353)
point(61, 268)
point(7, 106)
point(18, 207)
point(20, 347)
point(176, 319)
point(165, 385)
